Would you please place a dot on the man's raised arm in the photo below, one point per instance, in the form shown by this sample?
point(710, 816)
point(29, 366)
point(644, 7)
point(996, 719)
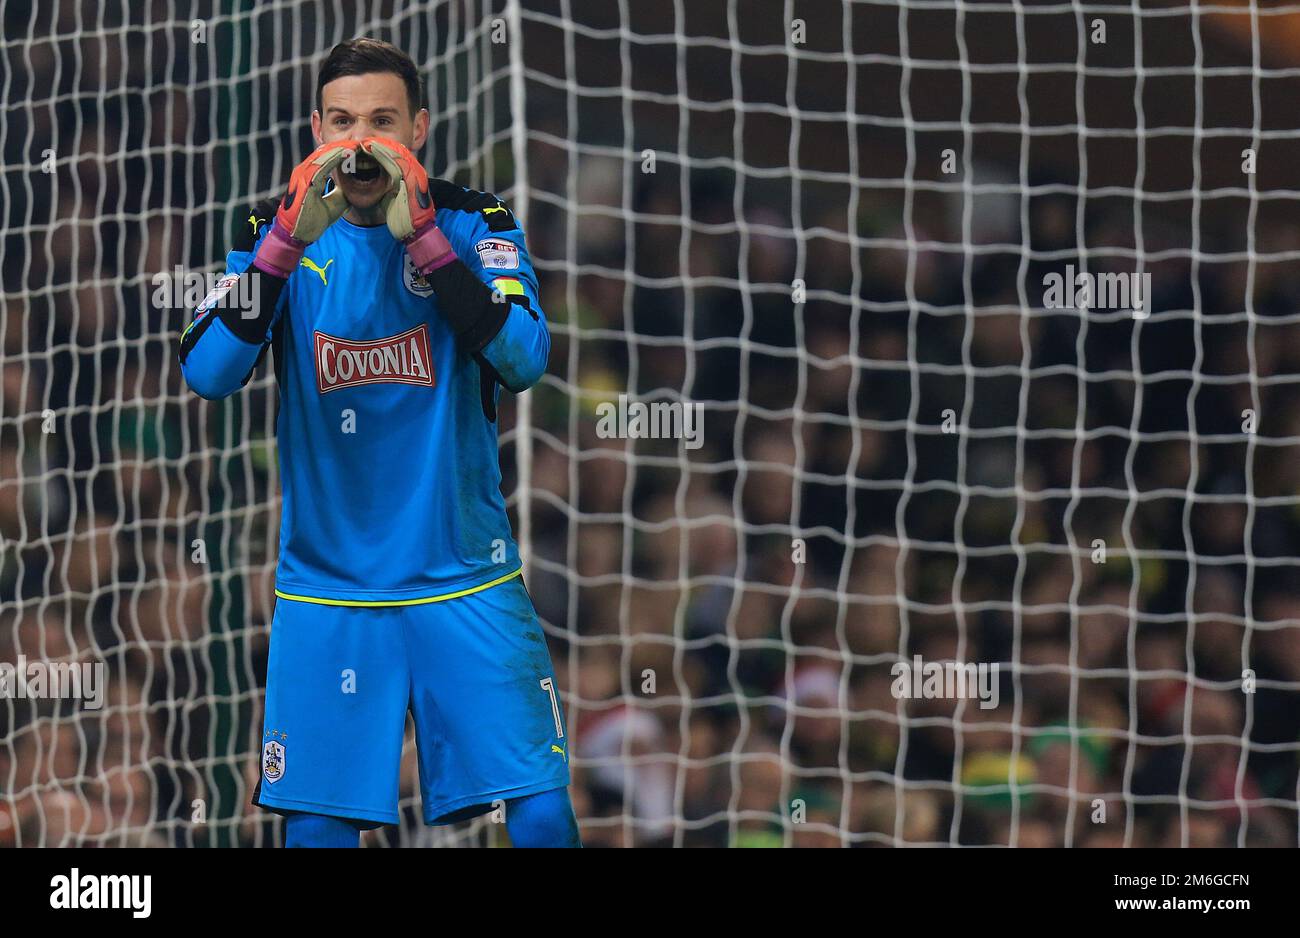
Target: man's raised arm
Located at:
point(221, 346)
point(484, 283)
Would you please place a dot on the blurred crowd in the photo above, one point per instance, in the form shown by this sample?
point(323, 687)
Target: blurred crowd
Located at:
point(1121, 671)
point(913, 457)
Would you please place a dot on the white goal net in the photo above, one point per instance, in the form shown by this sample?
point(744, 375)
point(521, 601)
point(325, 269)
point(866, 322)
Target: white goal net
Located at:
point(987, 531)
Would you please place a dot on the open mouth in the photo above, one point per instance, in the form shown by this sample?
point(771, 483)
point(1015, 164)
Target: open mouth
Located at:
point(366, 171)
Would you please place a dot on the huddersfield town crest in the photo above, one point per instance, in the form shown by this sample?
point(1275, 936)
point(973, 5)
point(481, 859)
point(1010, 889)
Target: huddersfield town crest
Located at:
point(415, 281)
point(272, 761)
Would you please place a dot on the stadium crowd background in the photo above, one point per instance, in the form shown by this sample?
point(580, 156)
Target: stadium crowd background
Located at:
point(772, 677)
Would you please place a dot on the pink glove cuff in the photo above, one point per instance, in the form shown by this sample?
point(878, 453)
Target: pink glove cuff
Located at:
point(430, 249)
point(279, 253)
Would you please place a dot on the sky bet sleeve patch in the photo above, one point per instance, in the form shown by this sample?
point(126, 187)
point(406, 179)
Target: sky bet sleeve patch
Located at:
point(220, 289)
point(497, 254)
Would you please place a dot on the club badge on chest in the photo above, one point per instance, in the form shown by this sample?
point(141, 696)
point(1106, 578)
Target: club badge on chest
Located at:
point(416, 282)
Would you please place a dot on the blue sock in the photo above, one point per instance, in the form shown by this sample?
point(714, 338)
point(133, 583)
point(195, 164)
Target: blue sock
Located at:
point(542, 820)
point(318, 830)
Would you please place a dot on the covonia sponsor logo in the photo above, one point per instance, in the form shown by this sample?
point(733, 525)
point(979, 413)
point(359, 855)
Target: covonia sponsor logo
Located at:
point(398, 359)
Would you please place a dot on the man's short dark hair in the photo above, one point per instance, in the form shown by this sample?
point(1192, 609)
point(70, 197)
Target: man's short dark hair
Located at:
point(367, 56)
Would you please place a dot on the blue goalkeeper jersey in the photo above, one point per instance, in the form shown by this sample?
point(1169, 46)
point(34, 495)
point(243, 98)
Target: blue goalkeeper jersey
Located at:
point(387, 434)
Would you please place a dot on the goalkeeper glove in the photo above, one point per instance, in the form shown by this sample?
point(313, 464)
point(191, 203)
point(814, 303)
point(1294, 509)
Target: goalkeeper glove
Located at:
point(409, 208)
point(305, 211)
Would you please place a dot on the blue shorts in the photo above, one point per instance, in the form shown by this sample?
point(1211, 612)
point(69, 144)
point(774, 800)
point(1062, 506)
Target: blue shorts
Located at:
point(475, 673)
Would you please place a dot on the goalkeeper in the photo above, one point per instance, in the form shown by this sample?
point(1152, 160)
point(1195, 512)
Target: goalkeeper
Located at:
point(396, 308)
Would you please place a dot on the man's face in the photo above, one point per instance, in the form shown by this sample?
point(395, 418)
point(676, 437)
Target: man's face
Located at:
point(358, 106)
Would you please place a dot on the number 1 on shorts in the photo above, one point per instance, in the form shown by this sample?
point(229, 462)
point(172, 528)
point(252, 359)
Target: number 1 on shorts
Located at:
point(548, 685)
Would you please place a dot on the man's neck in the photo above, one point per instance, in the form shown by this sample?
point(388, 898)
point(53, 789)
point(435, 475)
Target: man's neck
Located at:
point(367, 217)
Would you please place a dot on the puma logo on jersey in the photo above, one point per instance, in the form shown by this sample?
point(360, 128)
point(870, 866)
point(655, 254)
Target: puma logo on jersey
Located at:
point(253, 220)
point(498, 217)
point(397, 359)
point(320, 271)
point(560, 750)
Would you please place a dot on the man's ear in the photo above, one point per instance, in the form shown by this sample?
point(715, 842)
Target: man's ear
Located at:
point(420, 130)
point(315, 127)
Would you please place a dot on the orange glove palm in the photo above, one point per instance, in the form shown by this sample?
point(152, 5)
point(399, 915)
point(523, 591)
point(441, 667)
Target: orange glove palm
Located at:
point(408, 207)
point(306, 210)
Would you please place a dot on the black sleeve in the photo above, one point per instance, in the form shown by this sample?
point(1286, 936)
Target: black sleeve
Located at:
point(474, 310)
point(250, 329)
